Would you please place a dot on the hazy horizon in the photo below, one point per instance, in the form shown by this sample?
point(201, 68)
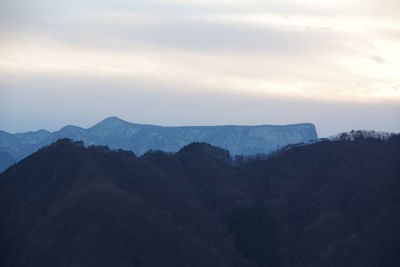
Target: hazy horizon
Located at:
point(181, 63)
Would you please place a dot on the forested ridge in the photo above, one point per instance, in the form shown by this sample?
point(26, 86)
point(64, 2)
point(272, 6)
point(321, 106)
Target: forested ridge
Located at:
point(332, 203)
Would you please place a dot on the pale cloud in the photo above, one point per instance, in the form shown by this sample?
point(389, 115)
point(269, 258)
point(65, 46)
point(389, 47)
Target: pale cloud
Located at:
point(309, 50)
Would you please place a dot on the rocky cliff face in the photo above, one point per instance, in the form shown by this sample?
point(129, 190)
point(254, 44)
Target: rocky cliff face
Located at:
point(139, 138)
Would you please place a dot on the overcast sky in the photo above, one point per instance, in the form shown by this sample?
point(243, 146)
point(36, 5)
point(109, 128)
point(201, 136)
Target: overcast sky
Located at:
point(185, 62)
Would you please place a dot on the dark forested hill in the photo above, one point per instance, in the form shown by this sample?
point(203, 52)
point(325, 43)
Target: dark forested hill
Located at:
point(68, 205)
point(333, 203)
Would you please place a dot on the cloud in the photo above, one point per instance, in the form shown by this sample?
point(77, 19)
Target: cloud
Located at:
point(273, 73)
point(308, 50)
point(39, 106)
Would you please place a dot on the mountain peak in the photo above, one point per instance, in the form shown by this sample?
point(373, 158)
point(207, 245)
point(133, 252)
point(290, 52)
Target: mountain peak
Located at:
point(112, 118)
point(112, 121)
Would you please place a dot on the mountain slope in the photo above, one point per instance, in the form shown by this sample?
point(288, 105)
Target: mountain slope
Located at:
point(91, 207)
point(139, 138)
point(332, 203)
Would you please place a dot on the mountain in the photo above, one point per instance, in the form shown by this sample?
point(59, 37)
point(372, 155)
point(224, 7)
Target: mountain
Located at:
point(334, 203)
point(331, 203)
point(139, 138)
point(68, 205)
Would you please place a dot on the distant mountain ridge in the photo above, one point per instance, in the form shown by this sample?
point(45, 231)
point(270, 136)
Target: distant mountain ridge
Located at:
point(139, 138)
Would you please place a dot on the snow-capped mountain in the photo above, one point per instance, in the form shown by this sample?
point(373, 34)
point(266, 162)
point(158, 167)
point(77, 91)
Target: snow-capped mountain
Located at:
point(139, 138)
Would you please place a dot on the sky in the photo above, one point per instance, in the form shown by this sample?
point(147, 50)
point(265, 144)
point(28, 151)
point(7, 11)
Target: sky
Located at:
point(200, 62)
